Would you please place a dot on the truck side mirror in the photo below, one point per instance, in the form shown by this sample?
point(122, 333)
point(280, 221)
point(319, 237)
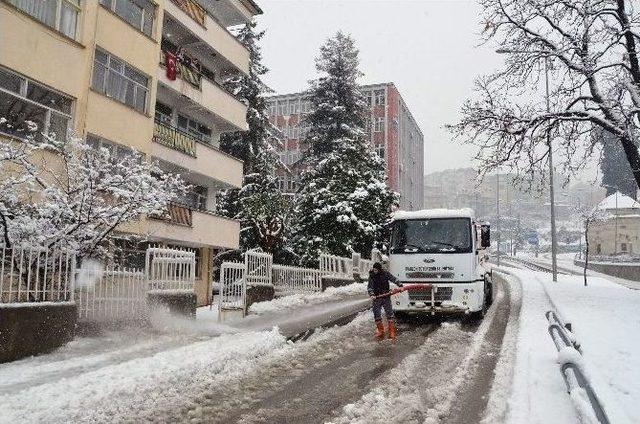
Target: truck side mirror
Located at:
point(485, 236)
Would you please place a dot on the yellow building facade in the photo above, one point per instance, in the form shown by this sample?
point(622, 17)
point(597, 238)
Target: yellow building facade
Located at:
point(138, 74)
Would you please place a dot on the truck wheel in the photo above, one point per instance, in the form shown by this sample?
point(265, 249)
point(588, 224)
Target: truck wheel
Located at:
point(478, 315)
point(488, 294)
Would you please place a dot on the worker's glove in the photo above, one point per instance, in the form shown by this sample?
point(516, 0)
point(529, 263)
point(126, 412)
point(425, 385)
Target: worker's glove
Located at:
point(398, 283)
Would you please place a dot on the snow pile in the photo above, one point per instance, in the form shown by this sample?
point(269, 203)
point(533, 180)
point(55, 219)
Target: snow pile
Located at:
point(119, 392)
point(301, 299)
point(605, 317)
point(528, 386)
point(602, 315)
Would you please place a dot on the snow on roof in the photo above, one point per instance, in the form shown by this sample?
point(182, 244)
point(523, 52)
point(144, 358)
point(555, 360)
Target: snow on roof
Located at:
point(623, 202)
point(434, 213)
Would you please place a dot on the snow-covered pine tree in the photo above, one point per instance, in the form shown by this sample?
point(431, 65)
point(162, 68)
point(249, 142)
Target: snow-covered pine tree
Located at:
point(344, 201)
point(259, 204)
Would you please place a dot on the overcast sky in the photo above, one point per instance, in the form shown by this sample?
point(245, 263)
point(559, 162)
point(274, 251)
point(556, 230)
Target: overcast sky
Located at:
point(428, 48)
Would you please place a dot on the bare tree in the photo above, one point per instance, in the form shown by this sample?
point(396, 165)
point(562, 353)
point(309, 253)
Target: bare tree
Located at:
point(590, 217)
point(590, 49)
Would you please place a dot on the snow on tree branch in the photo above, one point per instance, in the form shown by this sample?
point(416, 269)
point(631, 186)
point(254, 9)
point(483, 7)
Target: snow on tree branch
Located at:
point(589, 48)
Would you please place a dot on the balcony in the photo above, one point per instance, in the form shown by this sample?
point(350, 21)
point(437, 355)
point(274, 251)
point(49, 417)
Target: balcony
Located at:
point(195, 227)
point(181, 149)
point(174, 138)
point(204, 26)
point(207, 94)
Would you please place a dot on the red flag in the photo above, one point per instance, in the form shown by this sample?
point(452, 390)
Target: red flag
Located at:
point(171, 64)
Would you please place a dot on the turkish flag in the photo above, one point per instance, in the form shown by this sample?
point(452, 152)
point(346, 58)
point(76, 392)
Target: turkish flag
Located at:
point(171, 64)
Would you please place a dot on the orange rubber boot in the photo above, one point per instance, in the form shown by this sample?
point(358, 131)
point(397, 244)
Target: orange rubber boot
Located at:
point(392, 330)
point(379, 330)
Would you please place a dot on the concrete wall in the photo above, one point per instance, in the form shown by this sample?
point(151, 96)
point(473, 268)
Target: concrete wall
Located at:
point(30, 329)
point(626, 271)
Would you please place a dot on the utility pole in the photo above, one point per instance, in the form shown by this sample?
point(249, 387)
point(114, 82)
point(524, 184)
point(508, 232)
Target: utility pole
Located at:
point(554, 241)
point(498, 211)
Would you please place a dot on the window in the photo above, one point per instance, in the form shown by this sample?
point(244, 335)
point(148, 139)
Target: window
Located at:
point(379, 125)
point(163, 113)
point(27, 107)
point(196, 198)
point(623, 247)
point(293, 107)
point(140, 14)
point(61, 15)
point(115, 150)
point(380, 151)
point(282, 108)
point(379, 97)
point(306, 106)
point(194, 128)
point(367, 98)
point(273, 109)
point(118, 80)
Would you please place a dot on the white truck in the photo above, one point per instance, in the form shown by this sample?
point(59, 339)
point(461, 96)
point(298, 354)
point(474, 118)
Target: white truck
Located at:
point(445, 248)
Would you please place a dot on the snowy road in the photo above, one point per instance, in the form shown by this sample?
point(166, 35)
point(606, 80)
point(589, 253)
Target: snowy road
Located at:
point(338, 375)
point(334, 376)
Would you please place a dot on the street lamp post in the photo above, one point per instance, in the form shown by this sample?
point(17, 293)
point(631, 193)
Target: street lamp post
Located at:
point(498, 212)
point(554, 241)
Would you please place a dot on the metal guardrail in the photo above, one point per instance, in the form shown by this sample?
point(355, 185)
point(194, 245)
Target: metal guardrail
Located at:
point(572, 373)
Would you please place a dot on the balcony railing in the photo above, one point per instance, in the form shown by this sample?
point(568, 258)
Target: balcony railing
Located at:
point(193, 9)
point(174, 138)
point(178, 214)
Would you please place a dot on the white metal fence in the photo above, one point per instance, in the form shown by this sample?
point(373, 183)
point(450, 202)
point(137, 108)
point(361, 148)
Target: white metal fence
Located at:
point(170, 269)
point(258, 268)
point(32, 274)
point(290, 280)
point(111, 294)
point(336, 266)
point(233, 288)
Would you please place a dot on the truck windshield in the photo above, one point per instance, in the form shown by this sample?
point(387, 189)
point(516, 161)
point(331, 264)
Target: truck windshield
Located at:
point(436, 235)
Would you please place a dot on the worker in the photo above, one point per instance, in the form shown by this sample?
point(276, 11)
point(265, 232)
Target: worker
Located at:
point(379, 280)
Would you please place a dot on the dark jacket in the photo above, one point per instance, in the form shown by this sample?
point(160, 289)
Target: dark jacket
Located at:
point(379, 283)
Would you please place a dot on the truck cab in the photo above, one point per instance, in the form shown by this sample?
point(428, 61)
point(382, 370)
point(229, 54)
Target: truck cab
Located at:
point(444, 248)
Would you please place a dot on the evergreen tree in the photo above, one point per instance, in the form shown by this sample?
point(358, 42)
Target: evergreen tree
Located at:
point(344, 201)
point(258, 205)
point(616, 171)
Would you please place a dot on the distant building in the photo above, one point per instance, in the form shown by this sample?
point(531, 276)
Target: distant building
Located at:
point(393, 133)
point(619, 233)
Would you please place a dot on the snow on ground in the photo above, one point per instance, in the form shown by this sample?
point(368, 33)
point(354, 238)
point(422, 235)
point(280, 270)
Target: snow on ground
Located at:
point(536, 392)
point(128, 391)
point(298, 300)
point(605, 318)
point(528, 386)
point(565, 260)
point(424, 386)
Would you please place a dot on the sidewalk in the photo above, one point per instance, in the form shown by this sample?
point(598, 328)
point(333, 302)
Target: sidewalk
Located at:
point(604, 316)
point(566, 262)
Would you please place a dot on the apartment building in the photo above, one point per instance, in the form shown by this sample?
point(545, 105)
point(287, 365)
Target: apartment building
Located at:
point(137, 74)
point(392, 131)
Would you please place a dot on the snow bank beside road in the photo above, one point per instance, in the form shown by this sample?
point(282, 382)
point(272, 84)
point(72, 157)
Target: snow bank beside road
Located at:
point(297, 300)
point(117, 392)
point(528, 386)
point(605, 318)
